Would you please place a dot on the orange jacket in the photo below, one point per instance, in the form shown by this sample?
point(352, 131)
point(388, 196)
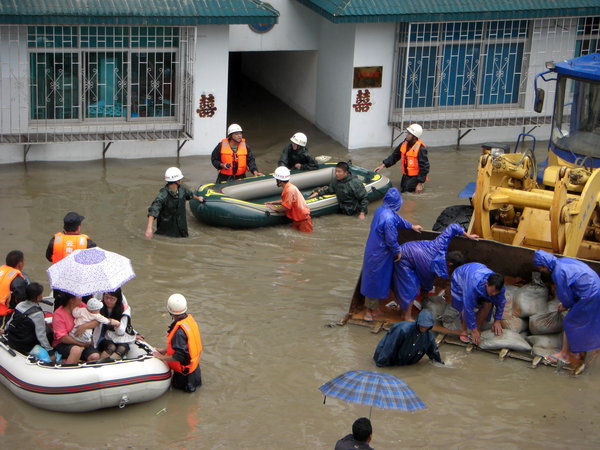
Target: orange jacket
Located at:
point(238, 160)
point(7, 275)
point(65, 244)
point(194, 341)
point(410, 158)
point(294, 203)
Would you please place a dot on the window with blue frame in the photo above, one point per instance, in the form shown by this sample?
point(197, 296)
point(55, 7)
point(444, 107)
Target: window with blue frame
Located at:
point(461, 64)
point(103, 72)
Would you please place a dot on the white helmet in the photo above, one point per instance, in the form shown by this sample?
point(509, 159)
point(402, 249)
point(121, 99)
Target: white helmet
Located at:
point(415, 129)
point(282, 173)
point(299, 139)
point(177, 304)
point(233, 128)
point(173, 174)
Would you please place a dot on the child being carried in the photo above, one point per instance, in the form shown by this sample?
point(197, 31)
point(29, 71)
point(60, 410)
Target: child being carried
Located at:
point(84, 315)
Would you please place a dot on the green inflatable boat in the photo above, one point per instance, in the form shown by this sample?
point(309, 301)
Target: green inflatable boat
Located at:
point(241, 203)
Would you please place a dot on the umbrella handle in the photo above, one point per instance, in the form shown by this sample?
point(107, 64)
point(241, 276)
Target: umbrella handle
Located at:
point(324, 398)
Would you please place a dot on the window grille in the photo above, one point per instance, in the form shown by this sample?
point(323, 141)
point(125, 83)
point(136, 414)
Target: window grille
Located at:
point(480, 74)
point(97, 83)
point(588, 32)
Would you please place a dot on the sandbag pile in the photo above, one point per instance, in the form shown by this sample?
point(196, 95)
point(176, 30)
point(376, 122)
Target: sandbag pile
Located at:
point(531, 321)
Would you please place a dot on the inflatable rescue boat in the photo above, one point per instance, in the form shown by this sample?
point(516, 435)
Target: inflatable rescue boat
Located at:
point(241, 203)
point(86, 386)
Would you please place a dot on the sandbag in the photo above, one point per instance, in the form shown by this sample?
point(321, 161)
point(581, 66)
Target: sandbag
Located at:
point(515, 324)
point(531, 299)
point(451, 318)
point(543, 351)
point(436, 305)
point(546, 323)
point(510, 292)
point(553, 341)
point(509, 339)
point(553, 304)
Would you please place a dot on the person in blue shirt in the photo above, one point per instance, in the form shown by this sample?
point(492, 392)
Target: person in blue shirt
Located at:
point(381, 251)
point(578, 289)
point(475, 289)
point(422, 261)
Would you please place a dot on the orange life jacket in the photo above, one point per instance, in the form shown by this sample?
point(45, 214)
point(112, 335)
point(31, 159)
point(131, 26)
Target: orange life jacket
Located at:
point(7, 275)
point(410, 158)
point(190, 327)
point(65, 244)
point(237, 159)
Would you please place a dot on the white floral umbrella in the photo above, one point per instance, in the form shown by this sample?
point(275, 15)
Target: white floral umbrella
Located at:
point(90, 271)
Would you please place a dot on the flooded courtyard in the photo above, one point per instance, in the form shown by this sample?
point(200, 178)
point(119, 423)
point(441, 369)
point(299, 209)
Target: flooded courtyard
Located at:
point(264, 300)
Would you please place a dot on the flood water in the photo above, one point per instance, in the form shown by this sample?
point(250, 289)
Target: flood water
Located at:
point(264, 299)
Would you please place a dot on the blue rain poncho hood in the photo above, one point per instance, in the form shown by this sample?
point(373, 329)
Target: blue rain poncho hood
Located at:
point(393, 199)
point(425, 319)
point(542, 258)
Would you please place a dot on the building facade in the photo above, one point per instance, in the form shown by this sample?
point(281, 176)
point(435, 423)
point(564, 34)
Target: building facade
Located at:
point(129, 83)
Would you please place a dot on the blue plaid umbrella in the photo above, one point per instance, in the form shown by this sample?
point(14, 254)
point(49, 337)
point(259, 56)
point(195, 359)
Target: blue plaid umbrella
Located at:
point(374, 389)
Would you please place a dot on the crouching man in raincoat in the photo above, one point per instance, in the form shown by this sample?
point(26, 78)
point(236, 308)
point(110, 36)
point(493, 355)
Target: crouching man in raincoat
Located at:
point(381, 251)
point(422, 261)
point(578, 289)
point(407, 342)
point(475, 289)
point(184, 346)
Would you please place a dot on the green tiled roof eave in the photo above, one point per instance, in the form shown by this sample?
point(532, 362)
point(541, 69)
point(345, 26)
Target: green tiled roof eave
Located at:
point(121, 20)
point(136, 12)
point(374, 11)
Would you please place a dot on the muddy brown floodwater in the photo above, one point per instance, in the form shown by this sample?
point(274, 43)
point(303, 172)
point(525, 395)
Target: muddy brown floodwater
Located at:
point(263, 299)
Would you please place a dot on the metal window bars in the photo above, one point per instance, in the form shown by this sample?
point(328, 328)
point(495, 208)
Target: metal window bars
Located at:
point(74, 83)
point(470, 75)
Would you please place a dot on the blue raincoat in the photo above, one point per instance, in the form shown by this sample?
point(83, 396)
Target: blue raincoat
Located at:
point(577, 288)
point(421, 262)
point(382, 247)
point(404, 344)
point(468, 290)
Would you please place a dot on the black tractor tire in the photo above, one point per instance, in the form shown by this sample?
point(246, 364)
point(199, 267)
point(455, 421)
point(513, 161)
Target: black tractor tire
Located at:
point(460, 214)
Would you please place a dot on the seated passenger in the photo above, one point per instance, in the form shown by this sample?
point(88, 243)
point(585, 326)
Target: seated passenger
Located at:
point(13, 282)
point(63, 322)
point(349, 190)
point(86, 314)
point(115, 338)
point(296, 156)
point(27, 327)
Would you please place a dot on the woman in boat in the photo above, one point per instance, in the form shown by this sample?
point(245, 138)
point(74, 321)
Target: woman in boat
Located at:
point(27, 327)
point(578, 289)
point(115, 339)
point(381, 251)
point(63, 323)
